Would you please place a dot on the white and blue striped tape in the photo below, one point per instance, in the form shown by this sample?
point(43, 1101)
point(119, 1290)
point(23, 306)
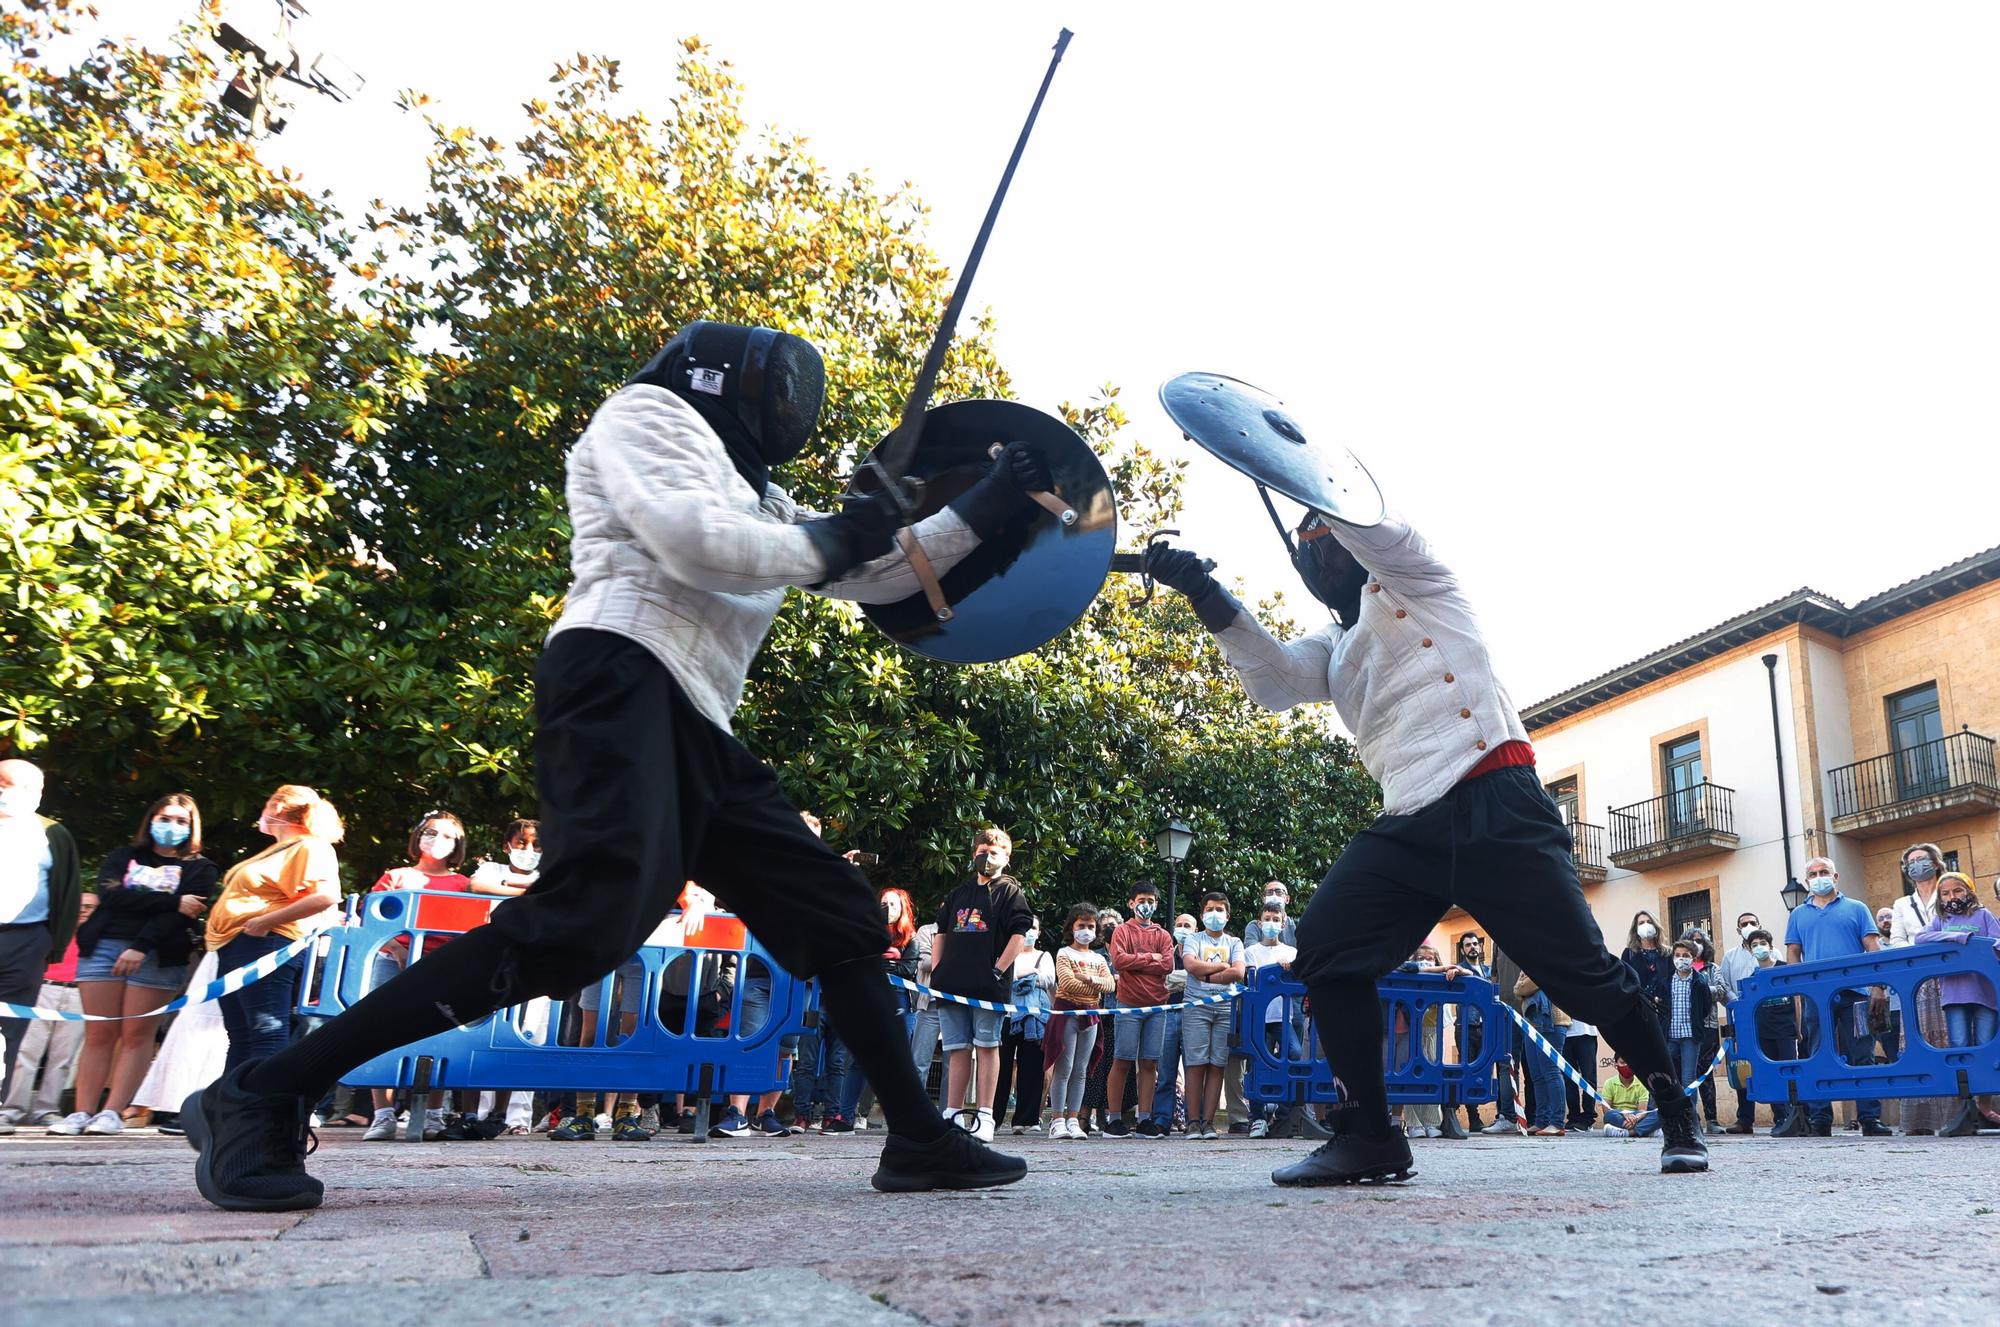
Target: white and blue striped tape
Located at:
point(1569, 1071)
point(1000, 1008)
point(227, 984)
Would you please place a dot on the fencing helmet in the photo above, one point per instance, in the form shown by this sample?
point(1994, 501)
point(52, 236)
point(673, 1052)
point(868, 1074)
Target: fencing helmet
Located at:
point(1328, 569)
point(761, 390)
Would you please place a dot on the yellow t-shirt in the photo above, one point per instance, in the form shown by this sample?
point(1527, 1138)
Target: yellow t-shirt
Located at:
point(283, 873)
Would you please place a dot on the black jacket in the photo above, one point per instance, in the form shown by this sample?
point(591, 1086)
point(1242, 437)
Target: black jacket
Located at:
point(147, 919)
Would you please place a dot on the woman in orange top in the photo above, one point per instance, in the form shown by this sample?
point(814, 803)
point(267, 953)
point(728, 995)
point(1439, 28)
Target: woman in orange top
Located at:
point(268, 900)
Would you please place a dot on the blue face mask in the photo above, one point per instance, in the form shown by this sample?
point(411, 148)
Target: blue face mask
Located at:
point(1184, 933)
point(1821, 885)
point(1273, 930)
point(1215, 921)
point(169, 834)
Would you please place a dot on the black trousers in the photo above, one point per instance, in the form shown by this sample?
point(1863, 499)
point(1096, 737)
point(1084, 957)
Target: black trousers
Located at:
point(1021, 1067)
point(24, 957)
point(641, 793)
point(1581, 1052)
point(1496, 847)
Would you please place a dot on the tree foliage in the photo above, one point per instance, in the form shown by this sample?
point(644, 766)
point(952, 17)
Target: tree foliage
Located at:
point(353, 589)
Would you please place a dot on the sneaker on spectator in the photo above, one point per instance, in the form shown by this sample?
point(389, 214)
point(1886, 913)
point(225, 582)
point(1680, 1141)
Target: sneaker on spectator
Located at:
point(433, 1125)
point(835, 1124)
point(382, 1127)
point(731, 1125)
point(170, 1124)
point(1148, 1128)
point(1116, 1127)
point(649, 1118)
point(1028, 1128)
point(769, 1126)
point(47, 1118)
point(685, 1124)
point(1240, 1129)
point(860, 1122)
point(1208, 1133)
point(1613, 1131)
point(70, 1125)
point(629, 1130)
point(985, 1129)
point(548, 1122)
point(578, 1128)
point(12, 1115)
point(1260, 1128)
point(105, 1122)
point(602, 1121)
point(7, 1127)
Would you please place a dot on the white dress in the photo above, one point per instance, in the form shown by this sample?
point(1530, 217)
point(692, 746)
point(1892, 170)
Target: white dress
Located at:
point(193, 1053)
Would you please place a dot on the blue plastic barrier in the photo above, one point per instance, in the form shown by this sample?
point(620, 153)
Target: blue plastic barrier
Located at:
point(1412, 1070)
point(523, 1047)
point(1920, 1070)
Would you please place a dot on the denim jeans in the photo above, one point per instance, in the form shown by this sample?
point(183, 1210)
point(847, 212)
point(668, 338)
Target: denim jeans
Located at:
point(1168, 1088)
point(924, 1042)
point(1685, 1055)
point(816, 1074)
point(258, 1017)
point(1639, 1126)
point(1855, 1048)
point(1547, 1079)
point(1969, 1024)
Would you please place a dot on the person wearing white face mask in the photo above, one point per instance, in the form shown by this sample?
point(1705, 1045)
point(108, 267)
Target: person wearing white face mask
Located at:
point(1083, 979)
point(1831, 925)
point(133, 956)
point(1646, 957)
point(1737, 964)
point(436, 850)
point(1922, 867)
point(41, 892)
point(519, 867)
point(1774, 1022)
point(1142, 954)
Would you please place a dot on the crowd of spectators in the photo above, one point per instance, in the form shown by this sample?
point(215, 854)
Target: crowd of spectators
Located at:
point(1123, 1025)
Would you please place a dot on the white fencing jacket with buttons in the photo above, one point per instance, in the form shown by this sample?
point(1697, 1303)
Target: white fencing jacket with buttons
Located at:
point(672, 549)
point(1411, 679)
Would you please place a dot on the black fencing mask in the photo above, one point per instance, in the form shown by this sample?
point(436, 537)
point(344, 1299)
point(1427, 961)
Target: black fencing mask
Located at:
point(1328, 569)
point(759, 389)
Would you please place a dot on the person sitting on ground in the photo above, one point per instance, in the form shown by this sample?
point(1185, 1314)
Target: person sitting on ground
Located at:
point(1214, 962)
point(1083, 979)
point(1630, 1109)
point(1970, 1013)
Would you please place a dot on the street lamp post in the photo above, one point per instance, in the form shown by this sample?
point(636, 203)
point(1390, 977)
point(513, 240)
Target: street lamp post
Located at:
point(1172, 843)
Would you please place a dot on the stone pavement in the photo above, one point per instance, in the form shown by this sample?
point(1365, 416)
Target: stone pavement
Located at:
point(1495, 1230)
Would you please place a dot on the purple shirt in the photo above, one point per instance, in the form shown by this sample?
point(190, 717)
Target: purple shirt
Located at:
point(1963, 987)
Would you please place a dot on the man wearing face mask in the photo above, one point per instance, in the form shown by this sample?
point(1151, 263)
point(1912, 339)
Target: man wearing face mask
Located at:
point(682, 554)
point(41, 893)
point(1737, 964)
point(1831, 925)
point(1142, 954)
point(1465, 821)
point(1279, 895)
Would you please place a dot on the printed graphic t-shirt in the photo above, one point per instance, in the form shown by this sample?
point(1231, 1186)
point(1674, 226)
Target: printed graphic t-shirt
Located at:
point(975, 923)
point(1225, 948)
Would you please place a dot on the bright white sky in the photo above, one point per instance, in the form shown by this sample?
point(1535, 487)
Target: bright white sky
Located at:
point(1645, 314)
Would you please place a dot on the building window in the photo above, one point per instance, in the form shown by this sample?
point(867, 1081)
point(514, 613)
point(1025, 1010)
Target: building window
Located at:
point(1916, 737)
point(1680, 768)
point(1689, 912)
point(1563, 794)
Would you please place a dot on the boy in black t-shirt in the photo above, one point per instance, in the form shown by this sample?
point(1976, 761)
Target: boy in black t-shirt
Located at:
point(981, 927)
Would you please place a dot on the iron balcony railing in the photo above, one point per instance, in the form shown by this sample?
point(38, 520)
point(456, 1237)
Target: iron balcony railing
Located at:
point(1587, 845)
point(1962, 760)
point(1705, 808)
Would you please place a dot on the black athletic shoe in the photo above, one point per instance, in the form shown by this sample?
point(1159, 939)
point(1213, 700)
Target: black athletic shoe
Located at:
point(1823, 1130)
point(1351, 1159)
point(1149, 1128)
point(251, 1146)
point(1795, 1126)
point(955, 1161)
point(578, 1128)
point(1682, 1149)
point(1876, 1129)
point(1117, 1128)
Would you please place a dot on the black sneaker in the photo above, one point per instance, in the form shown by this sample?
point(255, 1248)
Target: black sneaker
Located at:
point(1682, 1149)
point(1351, 1159)
point(1823, 1130)
point(1795, 1126)
point(1117, 1128)
point(686, 1124)
point(1149, 1128)
point(251, 1146)
point(463, 1129)
point(578, 1128)
point(1876, 1129)
point(835, 1124)
point(627, 1129)
point(955, 1161)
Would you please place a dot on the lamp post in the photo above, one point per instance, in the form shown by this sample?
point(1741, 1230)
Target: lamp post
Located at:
point(1172, 843)
point(1793, 895)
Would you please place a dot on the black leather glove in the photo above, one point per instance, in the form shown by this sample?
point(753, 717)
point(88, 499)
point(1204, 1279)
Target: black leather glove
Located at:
point(1181, 569)
point(864, 529)
point(1000, 498)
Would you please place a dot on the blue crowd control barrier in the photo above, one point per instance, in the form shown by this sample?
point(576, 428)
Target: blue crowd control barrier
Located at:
point(1413, 1067)
point(1820, 992)
point(566, 1045)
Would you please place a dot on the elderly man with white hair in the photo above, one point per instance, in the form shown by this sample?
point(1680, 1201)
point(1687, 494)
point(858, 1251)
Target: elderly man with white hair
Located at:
point(40, 892)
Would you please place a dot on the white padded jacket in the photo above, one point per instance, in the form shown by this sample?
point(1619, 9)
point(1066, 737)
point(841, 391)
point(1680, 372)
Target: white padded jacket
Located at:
point(672, 549)
point(1411, 680)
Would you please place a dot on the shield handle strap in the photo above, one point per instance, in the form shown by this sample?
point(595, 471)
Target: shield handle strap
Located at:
point(1283, 533)
point(926, 574)
point(1052, 502)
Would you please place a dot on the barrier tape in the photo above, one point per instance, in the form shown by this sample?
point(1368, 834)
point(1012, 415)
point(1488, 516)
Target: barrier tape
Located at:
point(999, 1008)
point(227, 984)
point(1570, 1072)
